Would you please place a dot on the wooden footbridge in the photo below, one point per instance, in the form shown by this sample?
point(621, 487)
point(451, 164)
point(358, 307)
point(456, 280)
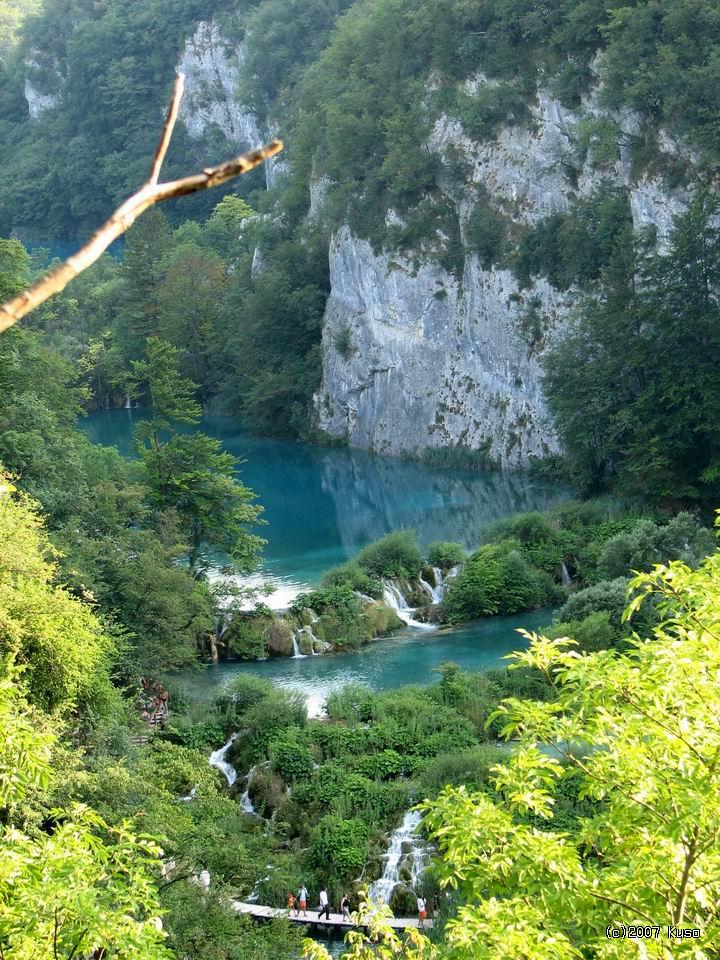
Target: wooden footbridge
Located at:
point(311, 918)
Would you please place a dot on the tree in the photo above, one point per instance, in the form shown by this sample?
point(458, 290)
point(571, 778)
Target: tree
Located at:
point(74, 885)
point(633, 387)
point(188, 474)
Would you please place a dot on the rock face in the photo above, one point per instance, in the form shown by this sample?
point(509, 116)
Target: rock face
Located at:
point(210, 103)
point(43, 84)
point(414, 358)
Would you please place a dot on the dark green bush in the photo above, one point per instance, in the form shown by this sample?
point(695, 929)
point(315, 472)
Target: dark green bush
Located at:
point(396, 555)
point(353, 576)
point(445, 554)
point(497, 580)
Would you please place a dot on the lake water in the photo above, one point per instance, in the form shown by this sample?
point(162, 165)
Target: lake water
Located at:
point(322, 504)
point(409, 656)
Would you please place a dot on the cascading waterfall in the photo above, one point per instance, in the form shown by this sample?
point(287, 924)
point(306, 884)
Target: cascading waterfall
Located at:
point(394, 599)
point(217, 760)
point(405, 836)
point(437, 592)
point(297, 655)
point(566, 578)
point(245, 800)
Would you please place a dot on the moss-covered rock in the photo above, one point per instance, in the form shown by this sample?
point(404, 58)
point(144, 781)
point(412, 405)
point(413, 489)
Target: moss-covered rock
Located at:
point(380, 618)
point(279, 638)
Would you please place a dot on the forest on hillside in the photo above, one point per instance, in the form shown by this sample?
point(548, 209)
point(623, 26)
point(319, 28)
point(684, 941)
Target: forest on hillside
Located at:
point(562, 803)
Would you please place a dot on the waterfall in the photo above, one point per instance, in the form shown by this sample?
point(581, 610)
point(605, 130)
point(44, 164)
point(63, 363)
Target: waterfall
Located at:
point(406, 834)
point(394, 599)
point(128, 402)
point(437, 592)
point(304, 632)
point(217, 760)
point(190, 796)
point(296, 646)
point(566, 578)
point(245, 800)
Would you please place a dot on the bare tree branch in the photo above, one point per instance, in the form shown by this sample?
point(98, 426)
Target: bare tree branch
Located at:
point(149, 194)
point(168, 128)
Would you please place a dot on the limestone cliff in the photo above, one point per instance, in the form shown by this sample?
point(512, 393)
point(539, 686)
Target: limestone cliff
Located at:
point(415, 359)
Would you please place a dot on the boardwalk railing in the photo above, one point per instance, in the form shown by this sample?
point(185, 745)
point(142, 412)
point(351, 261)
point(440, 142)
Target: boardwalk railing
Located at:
point(310, 917)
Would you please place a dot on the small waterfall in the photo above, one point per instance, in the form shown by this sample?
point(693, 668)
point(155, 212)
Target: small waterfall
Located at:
point(245, 800)
point(217, 760)
point(304, 632)
point(394, 599)
point(128, 402)
point(566, 578)
point(296, 646)
point(406, 834)
point(190, 796)
point(437, 592)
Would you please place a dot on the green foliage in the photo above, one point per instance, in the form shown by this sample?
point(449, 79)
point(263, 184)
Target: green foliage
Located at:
point(189, 475)
point(353, 576)
point(486, 232)
point(290, 759)
point(594, 632)
point(606, 595)
point(445, 554)
point(574, 247)
point(246, 637)
point(632, 387)
point(496, 580)
point(337, 846)
point(647, 544)
point(396, 555)
point(653, 736)
point(57, 640)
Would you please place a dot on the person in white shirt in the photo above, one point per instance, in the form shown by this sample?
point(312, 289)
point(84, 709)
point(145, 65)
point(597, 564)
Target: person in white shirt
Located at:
point(422, 911)
point(324, 904)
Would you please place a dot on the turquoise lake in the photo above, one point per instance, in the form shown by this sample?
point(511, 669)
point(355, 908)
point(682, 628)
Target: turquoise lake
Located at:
point(322, 504)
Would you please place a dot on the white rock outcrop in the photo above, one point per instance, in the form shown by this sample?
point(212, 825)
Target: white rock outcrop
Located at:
point(212, 69)
point(415, 358)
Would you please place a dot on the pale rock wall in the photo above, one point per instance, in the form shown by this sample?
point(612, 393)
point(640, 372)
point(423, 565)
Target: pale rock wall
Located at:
point(211, 101)
point(415, 359)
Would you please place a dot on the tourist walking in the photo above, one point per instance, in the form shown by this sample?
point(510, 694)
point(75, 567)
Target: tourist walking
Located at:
point(324, 904)
point(292, 903)
point(345, 907)
point(302, 901)
point(422, 911)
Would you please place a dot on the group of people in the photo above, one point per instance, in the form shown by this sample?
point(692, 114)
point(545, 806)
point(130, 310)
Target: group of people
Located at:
point(299, 903)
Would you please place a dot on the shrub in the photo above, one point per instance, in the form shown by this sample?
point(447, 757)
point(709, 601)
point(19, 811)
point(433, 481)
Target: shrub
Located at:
point(353, 702)
point(338, 846)
point(290, 759)
point(608, 595)
point(497, 580)
point(486, 232)
point(470, 767)
point(243, 692)
point(647, 544)
point(245, 637)
point(353, 576)
point(396, 555)
point(593, 633)
point(445, 554)
point(380, 618)
point(340, 598)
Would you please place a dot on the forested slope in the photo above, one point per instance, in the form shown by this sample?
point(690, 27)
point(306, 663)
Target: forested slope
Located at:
point(461, 181)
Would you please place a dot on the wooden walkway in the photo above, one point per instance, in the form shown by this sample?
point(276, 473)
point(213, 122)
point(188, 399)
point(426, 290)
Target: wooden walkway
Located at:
point(262, 912)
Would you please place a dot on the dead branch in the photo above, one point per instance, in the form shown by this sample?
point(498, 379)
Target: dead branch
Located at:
point(149, 194)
